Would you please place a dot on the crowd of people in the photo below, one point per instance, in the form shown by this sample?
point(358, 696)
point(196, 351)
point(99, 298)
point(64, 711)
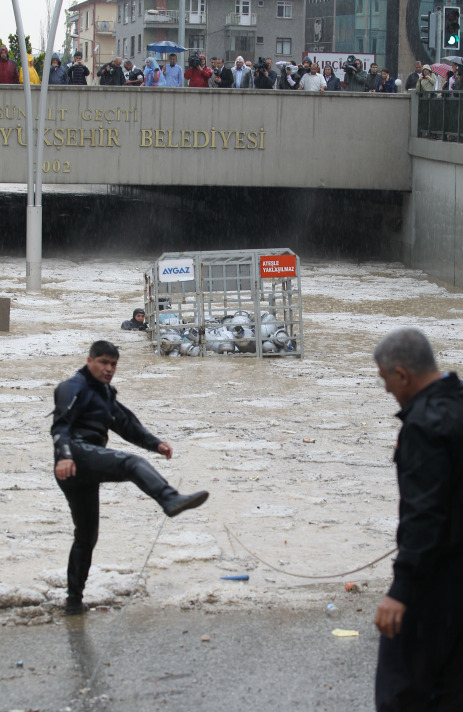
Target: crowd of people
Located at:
point(305, 76)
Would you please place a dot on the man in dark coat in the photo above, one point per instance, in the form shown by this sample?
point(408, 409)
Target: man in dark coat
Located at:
point(111, 74)
point(85, 409)
point(420, 620)
point(136, 323)
point(8, 69)
point(78, 71)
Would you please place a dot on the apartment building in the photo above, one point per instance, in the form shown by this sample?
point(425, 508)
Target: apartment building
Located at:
point(224, 28)
point(92, 31)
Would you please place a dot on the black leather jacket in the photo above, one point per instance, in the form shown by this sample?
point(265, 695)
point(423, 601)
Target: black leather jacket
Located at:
point(86, 409)
point(429, 460)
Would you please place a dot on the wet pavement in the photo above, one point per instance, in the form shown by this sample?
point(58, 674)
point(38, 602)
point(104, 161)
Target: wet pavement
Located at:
point(180, 661)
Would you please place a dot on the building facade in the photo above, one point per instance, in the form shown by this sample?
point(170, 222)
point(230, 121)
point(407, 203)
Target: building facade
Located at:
point(92, 31)
point(222, 28)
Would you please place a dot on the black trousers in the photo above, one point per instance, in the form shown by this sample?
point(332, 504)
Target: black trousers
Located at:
point(95, 465)
point(420, 670)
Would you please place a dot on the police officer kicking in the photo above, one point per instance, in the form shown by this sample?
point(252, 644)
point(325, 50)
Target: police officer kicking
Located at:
point(85, 409)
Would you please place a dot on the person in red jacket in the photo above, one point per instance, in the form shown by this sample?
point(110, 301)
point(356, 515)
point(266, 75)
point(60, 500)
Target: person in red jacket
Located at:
point(8, 69)
point(198, 74)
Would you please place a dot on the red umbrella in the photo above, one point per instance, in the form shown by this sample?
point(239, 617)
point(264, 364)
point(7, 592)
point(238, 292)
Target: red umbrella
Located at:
point(441, 69)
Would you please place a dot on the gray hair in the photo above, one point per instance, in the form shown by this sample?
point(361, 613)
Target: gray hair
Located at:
point(408, 348)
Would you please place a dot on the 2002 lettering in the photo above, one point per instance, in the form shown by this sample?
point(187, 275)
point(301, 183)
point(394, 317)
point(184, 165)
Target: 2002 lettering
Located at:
point(55, 166)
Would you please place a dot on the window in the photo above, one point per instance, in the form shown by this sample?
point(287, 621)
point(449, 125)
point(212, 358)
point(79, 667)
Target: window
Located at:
point(242, 7)
point(118, 48)
point(197, 42)
point(132, 46)
point(140, 7)
point(86, 20)
point(283, 45)
point(260, 3)
point(119, 12)
point(92, 18)
point(259, 40)
point(86, 52)
point(139, 44)
point(359, 8)
point(285, 10)
point(124, 46)
point(126, 13)
point(133, 10)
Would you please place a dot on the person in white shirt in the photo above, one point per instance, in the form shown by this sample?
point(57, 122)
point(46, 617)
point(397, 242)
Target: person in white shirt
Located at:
point(314, 81)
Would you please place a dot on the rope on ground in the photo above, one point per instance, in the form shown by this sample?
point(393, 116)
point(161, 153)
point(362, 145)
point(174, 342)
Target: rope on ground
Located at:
point(308, 576)
point(119, 620)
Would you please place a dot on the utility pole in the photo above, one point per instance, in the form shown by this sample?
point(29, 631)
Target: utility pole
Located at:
point(181, 23)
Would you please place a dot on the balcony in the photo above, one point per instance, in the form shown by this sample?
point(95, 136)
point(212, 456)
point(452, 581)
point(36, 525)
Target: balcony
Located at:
point(171, 17)
point(239, 19)
point(104, 27)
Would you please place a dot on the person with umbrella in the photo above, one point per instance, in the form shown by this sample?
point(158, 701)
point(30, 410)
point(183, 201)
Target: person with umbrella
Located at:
point(173, 72)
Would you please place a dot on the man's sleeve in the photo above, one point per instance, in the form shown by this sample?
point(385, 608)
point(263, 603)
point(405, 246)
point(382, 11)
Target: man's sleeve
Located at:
point(425, 505)
point(65, 413)
point(127, 425)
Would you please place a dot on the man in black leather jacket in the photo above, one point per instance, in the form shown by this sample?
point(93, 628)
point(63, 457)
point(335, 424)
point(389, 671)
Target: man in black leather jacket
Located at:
point(85, 409)
point(421, 648)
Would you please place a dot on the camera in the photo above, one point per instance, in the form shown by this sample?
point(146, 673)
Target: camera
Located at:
point(216, 72)
point(194, 60)
point(261, 65)
point(349, 65)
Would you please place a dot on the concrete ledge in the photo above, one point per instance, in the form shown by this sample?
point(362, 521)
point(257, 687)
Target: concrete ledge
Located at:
point(444, 151)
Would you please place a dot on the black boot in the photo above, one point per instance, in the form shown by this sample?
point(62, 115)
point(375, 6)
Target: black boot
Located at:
point(75, 606)
point(175, 503)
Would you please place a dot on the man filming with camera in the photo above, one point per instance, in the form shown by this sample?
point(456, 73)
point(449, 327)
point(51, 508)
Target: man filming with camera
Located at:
point(355, 77)
point(261, 78)
point(198, 73)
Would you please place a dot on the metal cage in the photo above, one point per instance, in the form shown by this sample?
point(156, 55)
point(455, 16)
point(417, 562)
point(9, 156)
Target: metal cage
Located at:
point(231, 302)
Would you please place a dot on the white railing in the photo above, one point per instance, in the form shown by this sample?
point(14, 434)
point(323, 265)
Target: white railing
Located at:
point(171, 17)
point(236, 18)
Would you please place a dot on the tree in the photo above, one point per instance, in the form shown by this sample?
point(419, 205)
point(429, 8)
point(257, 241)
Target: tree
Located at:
point(15, 53)
point(67, 44)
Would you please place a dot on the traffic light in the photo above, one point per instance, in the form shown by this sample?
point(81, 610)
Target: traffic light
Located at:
point(428, 30)
point(451, 28)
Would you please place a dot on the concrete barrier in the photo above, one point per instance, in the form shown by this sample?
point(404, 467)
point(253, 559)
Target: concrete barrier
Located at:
point(143, 136)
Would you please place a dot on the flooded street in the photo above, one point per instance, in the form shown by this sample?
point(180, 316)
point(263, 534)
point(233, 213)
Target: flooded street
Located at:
point(297, 456)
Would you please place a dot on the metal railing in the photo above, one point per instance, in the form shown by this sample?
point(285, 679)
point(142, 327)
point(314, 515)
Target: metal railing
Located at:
point(102, 26)
point(440, 116)
point(235, 18)
point(171, 17)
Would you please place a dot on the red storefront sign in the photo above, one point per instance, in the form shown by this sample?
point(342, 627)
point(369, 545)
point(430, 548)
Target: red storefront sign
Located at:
point(278, 266)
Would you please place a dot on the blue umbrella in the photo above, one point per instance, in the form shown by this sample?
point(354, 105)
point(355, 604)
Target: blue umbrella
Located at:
point(164, 46)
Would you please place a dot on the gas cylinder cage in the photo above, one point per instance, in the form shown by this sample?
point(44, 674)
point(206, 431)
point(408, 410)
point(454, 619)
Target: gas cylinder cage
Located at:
point(223, 302)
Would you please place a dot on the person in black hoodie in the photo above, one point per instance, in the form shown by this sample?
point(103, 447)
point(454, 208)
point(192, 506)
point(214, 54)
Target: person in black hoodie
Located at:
point(78, 72)
point(420, 621)
point(86, 407)
point(136, 323)
point(58, 74)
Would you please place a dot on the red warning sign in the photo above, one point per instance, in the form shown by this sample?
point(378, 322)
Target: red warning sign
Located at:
point(278, 266)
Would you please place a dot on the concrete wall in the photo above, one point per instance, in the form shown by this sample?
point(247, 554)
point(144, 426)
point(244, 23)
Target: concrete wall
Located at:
point(433, 213)
point(140, 136)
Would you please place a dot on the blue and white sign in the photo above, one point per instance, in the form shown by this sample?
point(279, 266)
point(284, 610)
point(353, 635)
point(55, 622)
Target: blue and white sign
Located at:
point(176, 270)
